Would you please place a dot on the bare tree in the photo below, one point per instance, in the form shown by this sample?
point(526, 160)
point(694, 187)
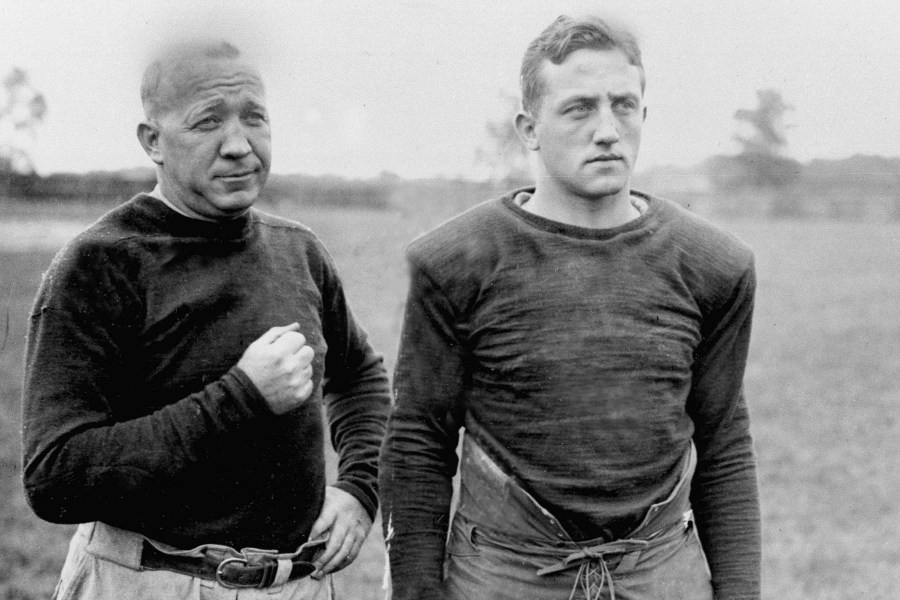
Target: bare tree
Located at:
point(505, 156)
point(768, 130)
point(22, 108)
point(761, 170)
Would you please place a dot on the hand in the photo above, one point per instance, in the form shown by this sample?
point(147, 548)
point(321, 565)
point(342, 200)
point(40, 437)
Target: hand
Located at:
point(347, 524)
point(279, 364)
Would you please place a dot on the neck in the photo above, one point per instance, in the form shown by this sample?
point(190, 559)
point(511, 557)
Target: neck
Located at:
point(174, 197)
point(169, 195)
point(159, 195)
point(604, 212)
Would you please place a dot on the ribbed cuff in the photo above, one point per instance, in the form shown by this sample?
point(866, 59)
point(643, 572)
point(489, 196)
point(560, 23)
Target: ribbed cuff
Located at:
point(252, 398)
point(368, 501)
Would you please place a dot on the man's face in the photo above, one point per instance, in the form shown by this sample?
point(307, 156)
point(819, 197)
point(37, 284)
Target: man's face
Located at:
point(213, 136)
point(588, 127)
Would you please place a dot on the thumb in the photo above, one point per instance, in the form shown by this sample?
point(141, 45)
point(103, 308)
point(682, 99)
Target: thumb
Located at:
point(323, 523)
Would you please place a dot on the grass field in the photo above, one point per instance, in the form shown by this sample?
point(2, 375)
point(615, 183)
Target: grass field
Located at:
point(822, 385)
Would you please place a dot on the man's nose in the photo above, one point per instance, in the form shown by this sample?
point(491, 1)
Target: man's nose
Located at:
point(235, 144)
point(605, 128)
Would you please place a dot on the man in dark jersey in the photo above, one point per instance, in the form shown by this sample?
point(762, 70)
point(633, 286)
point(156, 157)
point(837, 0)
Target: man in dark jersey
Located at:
point(592, 341)
point(179, 356)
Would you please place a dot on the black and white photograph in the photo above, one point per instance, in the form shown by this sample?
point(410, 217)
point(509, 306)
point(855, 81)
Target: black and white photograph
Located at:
point(424, 300)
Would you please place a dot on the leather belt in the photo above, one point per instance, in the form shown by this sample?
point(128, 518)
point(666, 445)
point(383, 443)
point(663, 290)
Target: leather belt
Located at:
point(233, 569)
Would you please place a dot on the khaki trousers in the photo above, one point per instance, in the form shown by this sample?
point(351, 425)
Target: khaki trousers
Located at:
point(104, 563)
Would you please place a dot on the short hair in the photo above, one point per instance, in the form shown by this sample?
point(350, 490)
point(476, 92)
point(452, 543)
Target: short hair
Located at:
point(156, 71)
point(563, 37)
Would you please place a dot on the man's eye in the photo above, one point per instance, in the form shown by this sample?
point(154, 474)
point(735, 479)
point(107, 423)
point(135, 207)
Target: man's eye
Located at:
point(255, 118)
point(207, 123)
point(625, 105)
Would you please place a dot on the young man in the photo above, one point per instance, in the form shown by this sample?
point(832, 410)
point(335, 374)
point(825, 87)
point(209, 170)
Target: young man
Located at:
point(179, 354)
point(592, 341)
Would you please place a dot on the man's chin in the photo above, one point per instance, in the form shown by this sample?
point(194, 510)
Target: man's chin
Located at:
point(238, 190)
point(235, 203)
point(599, 190)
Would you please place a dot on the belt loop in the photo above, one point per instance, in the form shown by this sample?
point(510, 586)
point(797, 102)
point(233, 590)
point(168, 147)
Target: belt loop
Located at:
point(87, 531)
point(116, 545)
point(283, 572)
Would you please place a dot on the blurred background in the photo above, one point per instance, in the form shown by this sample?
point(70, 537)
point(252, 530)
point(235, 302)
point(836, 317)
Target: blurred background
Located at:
point(777, 121)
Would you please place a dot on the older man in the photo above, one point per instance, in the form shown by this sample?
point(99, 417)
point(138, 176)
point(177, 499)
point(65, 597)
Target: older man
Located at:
point(179, 355)
point(592, 340)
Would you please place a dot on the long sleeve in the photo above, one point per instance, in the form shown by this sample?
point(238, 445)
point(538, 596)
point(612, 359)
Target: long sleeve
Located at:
point(357, 397)
point(591, 357)
point(418, 458)
point(134, 411)
point(82, 461)
point(724, 494)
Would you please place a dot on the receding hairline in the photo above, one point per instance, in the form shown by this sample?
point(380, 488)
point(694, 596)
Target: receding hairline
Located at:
point(173, 57)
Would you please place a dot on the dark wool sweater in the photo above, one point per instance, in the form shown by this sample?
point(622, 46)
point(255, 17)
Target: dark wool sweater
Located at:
point(592, 358)
point(134, 411)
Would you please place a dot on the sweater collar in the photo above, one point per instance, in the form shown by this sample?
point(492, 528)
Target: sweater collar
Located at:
point(178, 224)
point(158, 194)
point(649, 207)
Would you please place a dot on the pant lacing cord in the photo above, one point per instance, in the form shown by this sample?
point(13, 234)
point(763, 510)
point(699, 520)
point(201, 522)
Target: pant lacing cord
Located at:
point(587, 573)
point(591, 559)
point(589, 562)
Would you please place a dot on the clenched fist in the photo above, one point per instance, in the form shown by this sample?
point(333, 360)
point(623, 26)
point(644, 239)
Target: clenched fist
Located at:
point(279, 363)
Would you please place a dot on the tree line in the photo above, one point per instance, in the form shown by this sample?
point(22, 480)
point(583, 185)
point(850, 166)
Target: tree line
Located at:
point(761, 179)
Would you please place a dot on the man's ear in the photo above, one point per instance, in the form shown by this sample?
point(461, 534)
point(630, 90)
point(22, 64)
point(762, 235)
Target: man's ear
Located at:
point(148, 136)
point(526, 127)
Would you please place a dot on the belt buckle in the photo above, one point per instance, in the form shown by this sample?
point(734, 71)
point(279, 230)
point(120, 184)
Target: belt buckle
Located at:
point(228, 584)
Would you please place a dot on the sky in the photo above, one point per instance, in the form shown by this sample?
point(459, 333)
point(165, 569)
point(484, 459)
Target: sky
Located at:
point(357, 87)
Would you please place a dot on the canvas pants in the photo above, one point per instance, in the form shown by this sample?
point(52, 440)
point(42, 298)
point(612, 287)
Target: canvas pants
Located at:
point(104, 563)
point(504, 545)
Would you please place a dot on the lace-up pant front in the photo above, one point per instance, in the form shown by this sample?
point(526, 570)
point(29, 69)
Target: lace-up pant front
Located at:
point(504, 546)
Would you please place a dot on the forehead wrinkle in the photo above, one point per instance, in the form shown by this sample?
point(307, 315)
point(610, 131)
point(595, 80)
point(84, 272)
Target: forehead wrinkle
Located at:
point(589, 81)
point(217, 100)
point(176, 66)
point(191, 80)
point(199, 90)
point(202, 83)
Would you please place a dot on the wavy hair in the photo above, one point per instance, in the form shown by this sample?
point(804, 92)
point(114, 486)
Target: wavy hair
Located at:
point(563, 37)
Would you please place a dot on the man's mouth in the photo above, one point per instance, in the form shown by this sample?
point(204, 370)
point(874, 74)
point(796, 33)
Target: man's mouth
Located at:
point(605, 158)
point(237, 174)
